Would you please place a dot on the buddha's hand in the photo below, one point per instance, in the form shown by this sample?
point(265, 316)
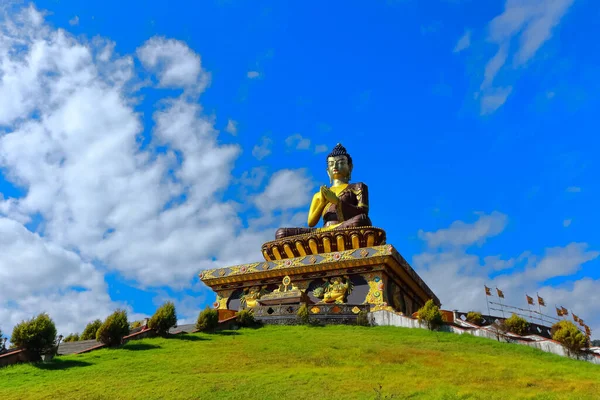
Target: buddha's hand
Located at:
point(329, 195)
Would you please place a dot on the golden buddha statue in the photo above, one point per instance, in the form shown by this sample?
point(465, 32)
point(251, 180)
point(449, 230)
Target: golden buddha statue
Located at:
point(343, 205)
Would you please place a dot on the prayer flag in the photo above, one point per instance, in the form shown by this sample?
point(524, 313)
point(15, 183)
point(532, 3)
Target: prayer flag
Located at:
point(564, 311)
point(500, 293)
point(530, 300)
point(541, 301)
point(487, 291)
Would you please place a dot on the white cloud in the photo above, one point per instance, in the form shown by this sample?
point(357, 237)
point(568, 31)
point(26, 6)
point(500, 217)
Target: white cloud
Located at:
point(262, 149)
point(567, 222)
point(253, 74)
point(463, 234)
point(297, 142)
point(286, 189)
point(231, 127)
point(530, 24)
point(573, 189)
point(463, 43)
point(174, 63)
point(74, 21)
point(321, 148)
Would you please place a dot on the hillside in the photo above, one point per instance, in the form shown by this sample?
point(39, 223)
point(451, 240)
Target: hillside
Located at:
point(334, 362)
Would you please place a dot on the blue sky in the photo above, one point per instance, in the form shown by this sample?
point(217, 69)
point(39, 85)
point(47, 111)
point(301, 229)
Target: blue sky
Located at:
point(473, 123)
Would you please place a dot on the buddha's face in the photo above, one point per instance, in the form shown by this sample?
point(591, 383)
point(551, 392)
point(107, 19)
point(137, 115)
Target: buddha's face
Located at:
point(338, 168)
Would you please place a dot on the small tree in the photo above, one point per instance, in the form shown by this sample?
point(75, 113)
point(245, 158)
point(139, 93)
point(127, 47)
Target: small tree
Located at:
point(475, 317)
point(135, 324)
point(89, 333)
point(72, 337)
point(596, 342)
point(431, 315)
point(516, 324)
point(303, 315)
point(362, 318)
point(114, 328)
point(567, 334)
point(245, 318)
point(163, 319)
point(208, 320)
point(37, 335)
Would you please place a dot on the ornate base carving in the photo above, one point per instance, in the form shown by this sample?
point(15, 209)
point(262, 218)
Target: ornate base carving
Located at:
point(377, 277)
point(323, 242)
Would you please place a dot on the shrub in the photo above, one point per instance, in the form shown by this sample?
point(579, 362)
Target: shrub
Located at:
point(362, 318)
point(37, 335)
point(208, 320)
point(516, 324)
point(303, 315)
point(163, 319)
point(73, 337)
point(475, 317)
point(135, 324)
point(431, 315)
point(567, 334)
point(113, 329)
point(245, 318)
point(89, 333)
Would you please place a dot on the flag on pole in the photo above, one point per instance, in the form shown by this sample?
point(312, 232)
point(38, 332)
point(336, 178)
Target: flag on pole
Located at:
point(588, 331)
point(541, 301)
point(575, 317)
point(500, 293)
point(530, 300)
point(558, 311)
point(581, 322)
point(564, 311)
point(488, 291)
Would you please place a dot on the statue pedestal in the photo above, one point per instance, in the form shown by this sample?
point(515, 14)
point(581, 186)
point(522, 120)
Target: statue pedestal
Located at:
point(378, 276)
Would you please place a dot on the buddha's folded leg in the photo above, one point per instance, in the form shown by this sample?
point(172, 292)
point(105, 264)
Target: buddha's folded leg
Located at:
point(285, 232)
point(359, 220)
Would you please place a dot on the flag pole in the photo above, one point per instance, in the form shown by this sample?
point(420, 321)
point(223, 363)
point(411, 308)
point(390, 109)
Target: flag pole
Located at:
point(540, 308)
point(487, 301)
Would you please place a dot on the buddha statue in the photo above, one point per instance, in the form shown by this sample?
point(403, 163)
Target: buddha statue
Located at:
point(343, 205)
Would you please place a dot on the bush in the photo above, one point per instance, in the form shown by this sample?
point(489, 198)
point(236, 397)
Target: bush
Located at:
point(37, 335)
point(89, 333)
point(163, 319)
point(475, 317)
point(362, 318)
point(208, 320)
point(135, 324)
point(431, 315)
point(516, 324)
point(113, 329)
point(73, 337)
point(245, 319)
point(303, 315)
point(567, 334)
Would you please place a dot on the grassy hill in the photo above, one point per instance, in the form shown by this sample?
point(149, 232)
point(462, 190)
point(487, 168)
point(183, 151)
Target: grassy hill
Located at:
point(334, 362)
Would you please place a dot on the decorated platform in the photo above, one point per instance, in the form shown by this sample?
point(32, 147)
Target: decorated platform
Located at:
point(377, 275)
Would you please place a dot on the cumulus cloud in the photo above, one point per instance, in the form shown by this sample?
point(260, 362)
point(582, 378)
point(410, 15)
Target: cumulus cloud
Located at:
point(573, 189)
point(461, 234)
point(74, 21)
point(321, 148)
point(286, 189)
point(231, 127)
point(152, 214)
point(527, 23)
point(262, 149)
point(463, 43)
point(298, 142)
point(253, 74)
point(174, 63)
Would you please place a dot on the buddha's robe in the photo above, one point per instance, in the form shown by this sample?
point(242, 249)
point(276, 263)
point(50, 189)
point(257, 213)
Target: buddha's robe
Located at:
point(352, 212)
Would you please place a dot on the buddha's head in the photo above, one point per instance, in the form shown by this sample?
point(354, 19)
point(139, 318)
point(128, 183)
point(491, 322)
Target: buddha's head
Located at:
point(339, 164)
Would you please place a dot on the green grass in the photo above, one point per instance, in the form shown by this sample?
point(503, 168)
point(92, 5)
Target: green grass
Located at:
point(334, 362)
